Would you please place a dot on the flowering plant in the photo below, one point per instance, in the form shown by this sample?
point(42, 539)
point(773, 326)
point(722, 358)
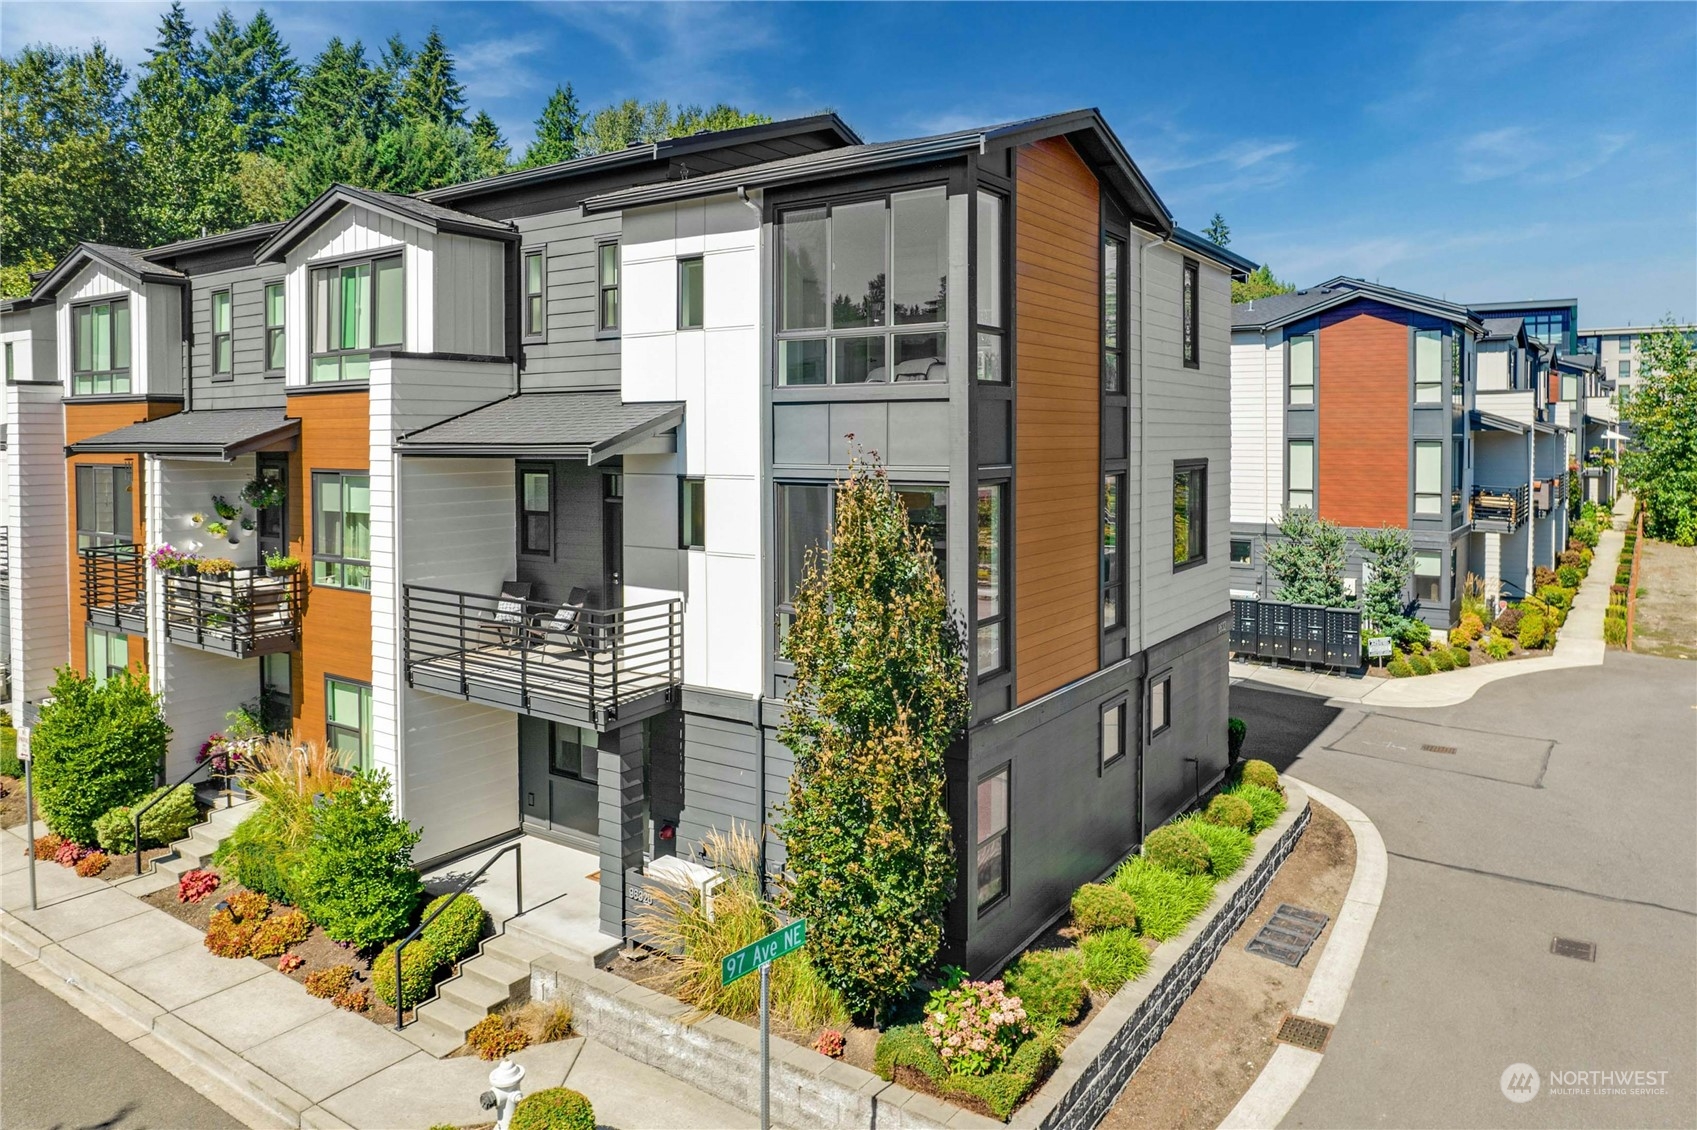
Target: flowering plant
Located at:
point(169, 559)
point(975, 1026)
point(196, 885)
point(830, 1042)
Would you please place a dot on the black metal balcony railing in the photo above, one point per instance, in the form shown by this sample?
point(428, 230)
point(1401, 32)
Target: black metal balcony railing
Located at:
point(114, 586)
point(1549, 495)
point(5, 556)
point(569, 664)
point(1500, 509)
point(240, 613)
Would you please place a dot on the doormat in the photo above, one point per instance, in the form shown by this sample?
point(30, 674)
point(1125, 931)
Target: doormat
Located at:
point(1288, 934)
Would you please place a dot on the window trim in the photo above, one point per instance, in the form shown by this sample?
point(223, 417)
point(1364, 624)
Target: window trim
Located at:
point(1004, 770)
point(520, 470)
point(1190, 313)
point(278, 328)
point(1115, 587)
point(313, 477)
point(1116, 705)
point(215, 334)
point(111, 375)
point(1186, 466)
point(1248, 553)
point(580, 777)
point(604, 328)
point(1163, 679)
point(527, 331)
point(684, 262)
point(1313, 385)
point(684, 483)
point(1115, 349)
point(340, 265)
point(1313, 487)
point(364, 760)
point(1436, 385)
point(1001, 619)
point(1416, 494)
point(1415, 575)
point(984, 330)
point(124, 498)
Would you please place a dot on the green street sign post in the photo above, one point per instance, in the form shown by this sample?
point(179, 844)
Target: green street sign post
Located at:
point(760, 955)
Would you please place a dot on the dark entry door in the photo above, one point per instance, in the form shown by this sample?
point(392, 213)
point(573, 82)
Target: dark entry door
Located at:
point(613, 539)
point(557, 780)
point(273, 520)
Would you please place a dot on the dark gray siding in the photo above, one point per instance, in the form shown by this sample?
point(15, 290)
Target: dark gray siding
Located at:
point(247, 387)
point(572, 355)
point(577, 536)
point(1188, 759)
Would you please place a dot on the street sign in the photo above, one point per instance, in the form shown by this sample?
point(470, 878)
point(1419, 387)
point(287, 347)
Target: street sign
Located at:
point(1378, 647)
point(751, 957)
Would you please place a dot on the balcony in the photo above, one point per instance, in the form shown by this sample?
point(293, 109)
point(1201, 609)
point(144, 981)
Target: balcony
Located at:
point(590, 667)
point(1549, 495)
point(1500, 509)
point(114, 587)
point(241, 613)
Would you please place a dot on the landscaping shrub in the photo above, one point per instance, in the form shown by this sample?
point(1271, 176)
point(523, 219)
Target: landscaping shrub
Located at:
point(457, 931)
point(1441, 660)
point(1497, 646)
point(247, 905)
point(496, 1037)
point(1112, 958)
point(10, 765)
point(830, 1044)
point(1228, 846)
point(1614, 630)
point(1460, 637)
point(1236, 731)
point(278, 932)
point(227, 936)
point(1229, 812)
point(95, 747)
point(290, 962)
point(1166, 900)
point(419, 966)
point(1508, 620)
point(1461, 656)
point(1177, 849)
point(68, 854)
point(196, 885)
point(326, 983)
point(908, 1046)
point(92, 864)
point(353, 999)
point(1543, 577)
point(1268, 804)
point(1420, 665)
point(1001, 1091)
point(975, 1026)
point(1568, 559)
point(1473, 624)
point(356, 877)
point(168, 821)
point(1049, 983)
point(47, 847)
point(1398, 668)
point(1259, 773)
point(557, 1108)
point(1102, 906)
point(259, 857)
point(115, 831)
point(1533, 627)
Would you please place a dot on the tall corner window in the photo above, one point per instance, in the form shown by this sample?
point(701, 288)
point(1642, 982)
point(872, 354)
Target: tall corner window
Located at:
point(692, 277)
point(347, 718)
point(1113, 317)
point(1242, 551)
point(1428, 477)
point(1428, 366)
point(987, 235)
point(536, 511)
point(1300, 474)
point(1190, 298)
point(1428, 575)
point(1302, 371)
point(105, 653)
point(276, 345)
point(991, 852)
point(105, 505)
point(990, 604)
point(607, 286)
point(11, 367)
point(1190, 513)
point(341, 530)
point(223, 349)
point(534, 281)
point(1160, 704)
point(356, 307)
point(1113, 552)
point(863, 291)
point(1113, 733)
point(100, 348)
point(692, 514)
point(803, 527)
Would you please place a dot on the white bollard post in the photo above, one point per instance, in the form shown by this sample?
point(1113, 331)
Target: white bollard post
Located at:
point(505, 1080)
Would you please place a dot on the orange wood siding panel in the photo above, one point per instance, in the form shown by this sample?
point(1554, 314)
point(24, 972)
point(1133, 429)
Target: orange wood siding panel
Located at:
point(1363, 451)
point(336, 628)
point(1057, 427)
point(85, 421)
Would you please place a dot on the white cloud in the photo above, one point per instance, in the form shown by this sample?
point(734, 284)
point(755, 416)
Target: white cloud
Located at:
point(683, 51)
point(1516, 151)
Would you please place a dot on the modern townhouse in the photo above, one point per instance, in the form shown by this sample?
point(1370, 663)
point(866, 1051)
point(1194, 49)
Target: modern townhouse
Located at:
point(1377, 407)
point(553, 446)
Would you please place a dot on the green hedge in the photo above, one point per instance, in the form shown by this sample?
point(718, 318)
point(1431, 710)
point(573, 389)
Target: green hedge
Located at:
point(96, 746)
point(1112, 958)
point(557, 1108)
point(1049, 983)
point(1001, 1091)
point(1166, 900)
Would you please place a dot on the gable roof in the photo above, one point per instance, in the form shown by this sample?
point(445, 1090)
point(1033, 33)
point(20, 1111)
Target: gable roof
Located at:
point(1087, 128)
point(1282, 309)
point(128, 260)
point(410, 209)
point(1504, 329)
point(655, 151)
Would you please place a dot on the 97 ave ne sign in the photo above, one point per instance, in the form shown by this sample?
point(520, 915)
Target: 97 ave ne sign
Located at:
point(770, 948)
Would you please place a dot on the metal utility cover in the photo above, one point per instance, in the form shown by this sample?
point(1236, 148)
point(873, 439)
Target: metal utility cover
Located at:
point(1574, 948)
point(1288, 934)
point(1304, 1033)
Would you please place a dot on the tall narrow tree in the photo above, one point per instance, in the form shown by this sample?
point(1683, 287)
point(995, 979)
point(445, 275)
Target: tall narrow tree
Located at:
point(430, 91)
point(557, 130)
point(254, 68)
point(1217, 232)
point(491, 151)
point(188, 139)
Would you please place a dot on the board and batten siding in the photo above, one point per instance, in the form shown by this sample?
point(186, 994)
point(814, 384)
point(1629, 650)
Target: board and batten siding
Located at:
point(1057, 252)
point(247, 386)
point(470, 297)
point(156, 359)
point(1362, 457)
point(37, 515)
point(572, 353)
point(1257, 427)
point(356, 230)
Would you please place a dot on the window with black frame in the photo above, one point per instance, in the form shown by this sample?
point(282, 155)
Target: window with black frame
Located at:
point(607, 287)
point(991, 853)
point(356, 307)
point(1113, 733)
point(1113, 330)
point(1190, 513)
point(223, 346)
point(990, 577)
point(105, 653)
point(863, 291)
point(1113, 564)
point(1191, 295)
point(989, 364)
point(347, 719)
point(276, 355)
point(536, 511)
point(105, 506)
point(692, 514)
point(533, 293)
point(100, 348)
point(341, 528)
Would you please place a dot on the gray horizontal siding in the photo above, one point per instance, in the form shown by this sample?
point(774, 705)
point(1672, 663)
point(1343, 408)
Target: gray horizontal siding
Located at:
point(571, 356)
point(249, 388)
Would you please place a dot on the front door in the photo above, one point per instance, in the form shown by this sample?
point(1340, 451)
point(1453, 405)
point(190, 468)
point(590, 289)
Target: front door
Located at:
point(557, 780)
point(273, 520)
point(613, 539)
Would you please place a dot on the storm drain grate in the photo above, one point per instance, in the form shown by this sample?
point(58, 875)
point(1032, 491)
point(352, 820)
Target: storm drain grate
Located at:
point(1304, 1033)
point(1429, 748)
point(1288, 934)
point(1574, 948)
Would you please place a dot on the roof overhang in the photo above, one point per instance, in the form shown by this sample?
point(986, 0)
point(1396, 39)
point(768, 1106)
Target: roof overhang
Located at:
point(1490, 421)
point(84, 254)
point(586, 425)
point(338, 196)
point(1343, 291)
point(1207, 249)
point(215, 435)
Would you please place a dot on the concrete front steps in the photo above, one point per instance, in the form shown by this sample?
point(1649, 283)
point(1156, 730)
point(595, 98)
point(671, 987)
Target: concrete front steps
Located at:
point(193, 850)
point(496, 975)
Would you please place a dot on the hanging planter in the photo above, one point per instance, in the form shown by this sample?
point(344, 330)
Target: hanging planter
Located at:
point(247, 523)
point(196, 518)
point(227, 510)
point(217, 529)
point(262, 492)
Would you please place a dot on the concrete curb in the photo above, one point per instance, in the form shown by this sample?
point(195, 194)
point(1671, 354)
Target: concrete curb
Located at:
point(1284, 1078)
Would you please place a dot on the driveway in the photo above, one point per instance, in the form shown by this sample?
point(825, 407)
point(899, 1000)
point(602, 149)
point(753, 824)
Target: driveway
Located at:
point(1561, 804)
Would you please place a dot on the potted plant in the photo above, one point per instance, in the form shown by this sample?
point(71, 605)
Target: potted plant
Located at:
point(166, 558)
point(247, 523)
point(281, 564)
point(261, 492)
point(196, 518)
point(217, 529)
point(217, 566)
point(227, 510)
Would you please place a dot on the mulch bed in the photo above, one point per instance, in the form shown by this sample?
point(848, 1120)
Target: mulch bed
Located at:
point(12, 802)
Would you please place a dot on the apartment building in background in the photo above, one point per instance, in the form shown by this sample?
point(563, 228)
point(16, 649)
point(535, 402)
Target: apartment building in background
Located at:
point(553, 446)
point(1616, 349)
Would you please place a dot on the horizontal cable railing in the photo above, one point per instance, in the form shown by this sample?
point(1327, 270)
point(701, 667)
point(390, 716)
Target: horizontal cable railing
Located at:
point(1501, 508)
point(243, 612)
point(535, 656)
point(114, 585)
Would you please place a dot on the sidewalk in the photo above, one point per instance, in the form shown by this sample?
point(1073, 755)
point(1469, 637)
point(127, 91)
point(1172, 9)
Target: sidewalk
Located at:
point(1579, 645)
point(288, 1059)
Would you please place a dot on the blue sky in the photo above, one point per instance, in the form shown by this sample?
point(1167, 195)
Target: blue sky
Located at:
point(1478, 152)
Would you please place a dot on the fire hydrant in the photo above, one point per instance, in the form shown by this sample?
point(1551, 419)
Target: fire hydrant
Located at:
point(505, 1095)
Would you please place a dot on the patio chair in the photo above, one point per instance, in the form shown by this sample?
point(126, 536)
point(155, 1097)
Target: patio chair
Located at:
point(508, 616)
point(564, 629)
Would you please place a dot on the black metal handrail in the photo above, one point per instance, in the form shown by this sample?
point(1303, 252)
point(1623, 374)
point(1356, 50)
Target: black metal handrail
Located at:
point(465, 884)
point(243, 612)
point(135, 817)
point(1508, 506)
point(114, 584)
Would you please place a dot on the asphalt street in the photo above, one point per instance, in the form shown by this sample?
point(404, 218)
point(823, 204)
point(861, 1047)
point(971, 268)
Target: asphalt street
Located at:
point(1561, 804)
point(59, 1070)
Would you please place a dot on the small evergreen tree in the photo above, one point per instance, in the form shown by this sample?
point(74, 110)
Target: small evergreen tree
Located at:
point(491, 152)
point(557, 130)
point(1217, 232)
point(880, 695)
point(1260, 284)
point(1308, 559)
point(96, 746)
point(430, 91)
point(1659, 464)
point(1383, 607)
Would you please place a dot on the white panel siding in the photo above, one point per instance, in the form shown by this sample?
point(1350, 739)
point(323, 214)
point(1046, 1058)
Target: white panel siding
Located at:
point(426, 391)
point(36, 517)
point(1492, 365)
point(200, 688)
point(459, 528)
point(185, 487)
point(1257, 423)
point(98, 281)
point(470, 295)
point(355, 231)
point(461, 781)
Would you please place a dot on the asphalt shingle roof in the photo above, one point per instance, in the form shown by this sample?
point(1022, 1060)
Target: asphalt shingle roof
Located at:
point(574, 424)
point(225, 432)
